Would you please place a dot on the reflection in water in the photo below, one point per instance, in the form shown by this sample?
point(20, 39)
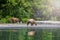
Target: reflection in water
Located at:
point(33, 34)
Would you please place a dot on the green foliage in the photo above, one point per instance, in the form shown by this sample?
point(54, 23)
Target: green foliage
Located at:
point(13, 8)
point(5, 20)
point(24, 20)
point(27, 9)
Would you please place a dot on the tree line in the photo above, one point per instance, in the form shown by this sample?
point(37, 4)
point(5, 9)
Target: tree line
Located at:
point(24, 9)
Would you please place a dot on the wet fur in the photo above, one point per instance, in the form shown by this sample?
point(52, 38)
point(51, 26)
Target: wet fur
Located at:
point(14, 20)
point(32, 23)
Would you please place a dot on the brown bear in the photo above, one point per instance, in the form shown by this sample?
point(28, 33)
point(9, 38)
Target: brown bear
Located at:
point(14, 20)
point(31, 21)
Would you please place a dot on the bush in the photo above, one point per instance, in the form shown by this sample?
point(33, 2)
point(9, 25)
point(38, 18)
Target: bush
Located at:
point(5, 20)
point(24, 20)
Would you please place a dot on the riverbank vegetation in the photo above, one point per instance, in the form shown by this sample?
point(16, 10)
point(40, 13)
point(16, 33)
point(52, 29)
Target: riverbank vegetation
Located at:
point(24, 9)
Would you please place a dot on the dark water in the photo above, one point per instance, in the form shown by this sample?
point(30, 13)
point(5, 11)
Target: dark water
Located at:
point(23, 34)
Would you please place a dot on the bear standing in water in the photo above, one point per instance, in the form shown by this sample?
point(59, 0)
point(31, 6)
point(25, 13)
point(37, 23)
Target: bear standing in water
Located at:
point(32, 22)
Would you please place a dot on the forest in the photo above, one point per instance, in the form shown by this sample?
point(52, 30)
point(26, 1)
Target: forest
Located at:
point(24, 9)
